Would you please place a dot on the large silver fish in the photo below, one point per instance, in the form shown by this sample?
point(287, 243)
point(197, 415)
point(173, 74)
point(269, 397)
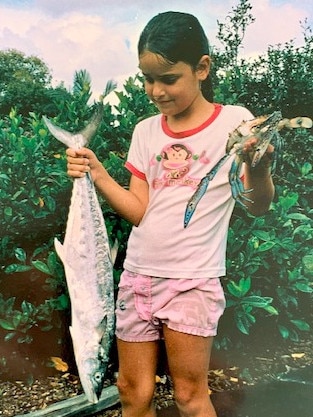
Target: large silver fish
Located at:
point(86, 257)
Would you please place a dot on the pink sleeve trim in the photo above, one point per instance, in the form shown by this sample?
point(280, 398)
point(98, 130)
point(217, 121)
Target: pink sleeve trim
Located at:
point(135, 171)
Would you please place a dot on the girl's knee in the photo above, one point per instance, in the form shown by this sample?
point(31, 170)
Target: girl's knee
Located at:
point(183, 397)
point(191, 399)
point(135, 394)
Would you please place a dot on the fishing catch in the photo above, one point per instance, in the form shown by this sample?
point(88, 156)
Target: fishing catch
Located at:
point(86, 257)
point(266, 130)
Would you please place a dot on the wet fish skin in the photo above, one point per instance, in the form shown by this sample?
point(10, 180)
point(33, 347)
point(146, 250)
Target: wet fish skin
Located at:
point(85, 254)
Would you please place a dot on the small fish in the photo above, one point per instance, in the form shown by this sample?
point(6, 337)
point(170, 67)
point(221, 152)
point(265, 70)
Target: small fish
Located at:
point(201, 189)
point(86, 257)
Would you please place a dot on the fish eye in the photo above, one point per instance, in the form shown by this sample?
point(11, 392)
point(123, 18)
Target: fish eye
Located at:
point(98, 376)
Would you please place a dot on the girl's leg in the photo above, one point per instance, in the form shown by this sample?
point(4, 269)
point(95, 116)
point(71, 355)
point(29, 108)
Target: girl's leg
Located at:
point(136, 378)
point(188, 359)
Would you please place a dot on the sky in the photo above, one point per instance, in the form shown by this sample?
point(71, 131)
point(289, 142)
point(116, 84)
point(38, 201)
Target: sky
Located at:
point(100, 36)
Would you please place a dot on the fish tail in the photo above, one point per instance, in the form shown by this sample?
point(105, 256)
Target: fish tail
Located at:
point(70, 139)
point(60, 134)
point(91, 128)
point(59, 249)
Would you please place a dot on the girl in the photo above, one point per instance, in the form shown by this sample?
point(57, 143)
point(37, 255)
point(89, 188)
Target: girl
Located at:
point(170, 287)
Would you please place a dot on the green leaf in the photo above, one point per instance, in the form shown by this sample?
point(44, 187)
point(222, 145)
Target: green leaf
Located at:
point(41, 266)
point(239, 290)
point(9, 336)
point(245, 285)
point(266, 246)
point(63, 302)
point(262, 234)
point(8, 211)
point(46, 328)
point(301, 325)
point(25, 339)
point(303, 230)
point(283, 331)
point(257, 301)
point(307, 261)
point(298, 216)
point(20, 254)
point(242, 324)
point(289, 200)
point(6, 325)
point(234, 289)
point(306, 168)
point(272, 310)
point(17, 318)
point(303, 287)
point(4, 177)
point(28, 308)
point(17, 268)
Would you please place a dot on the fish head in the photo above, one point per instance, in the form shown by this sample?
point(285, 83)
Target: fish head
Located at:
point(92, 376)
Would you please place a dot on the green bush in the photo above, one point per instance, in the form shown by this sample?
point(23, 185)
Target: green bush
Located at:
point(32, 179)
point(266, 268)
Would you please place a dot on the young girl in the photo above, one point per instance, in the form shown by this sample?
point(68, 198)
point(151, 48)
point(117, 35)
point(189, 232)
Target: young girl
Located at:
point(170, 287)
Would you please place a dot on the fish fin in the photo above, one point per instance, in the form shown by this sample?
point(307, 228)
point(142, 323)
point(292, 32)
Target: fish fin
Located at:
point(82, 138)
point(72, 331)
point(92, 126)
point(76, 336)
point(74, 340)
point(114, 251)
point(59, 249)
point(60, 134)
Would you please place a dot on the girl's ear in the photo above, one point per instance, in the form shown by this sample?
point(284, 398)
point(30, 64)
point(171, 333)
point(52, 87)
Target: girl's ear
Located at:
point(203, 67)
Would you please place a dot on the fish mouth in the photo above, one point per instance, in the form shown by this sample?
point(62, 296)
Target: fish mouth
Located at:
point(98, 386)
point(92, 384)
point(92, 389)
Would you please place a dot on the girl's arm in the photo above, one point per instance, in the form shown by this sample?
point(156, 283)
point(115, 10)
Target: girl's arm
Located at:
point(130, 204)
point(259, 180)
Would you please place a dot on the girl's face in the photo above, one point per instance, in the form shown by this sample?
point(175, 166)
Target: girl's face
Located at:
point(174, 88)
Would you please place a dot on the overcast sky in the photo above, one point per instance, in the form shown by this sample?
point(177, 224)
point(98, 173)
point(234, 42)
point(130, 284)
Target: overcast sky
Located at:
point(101, 35)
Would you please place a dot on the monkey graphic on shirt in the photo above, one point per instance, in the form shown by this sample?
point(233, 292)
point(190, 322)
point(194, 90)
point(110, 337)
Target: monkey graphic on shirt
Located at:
point(176, 160)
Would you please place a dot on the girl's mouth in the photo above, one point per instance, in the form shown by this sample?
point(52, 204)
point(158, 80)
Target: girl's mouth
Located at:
point(162, 102)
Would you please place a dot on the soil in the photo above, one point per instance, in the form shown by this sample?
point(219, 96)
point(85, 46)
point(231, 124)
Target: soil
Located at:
point(231, 370)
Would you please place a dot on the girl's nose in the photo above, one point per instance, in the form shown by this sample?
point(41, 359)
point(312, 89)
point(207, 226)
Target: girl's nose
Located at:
point(157, 90)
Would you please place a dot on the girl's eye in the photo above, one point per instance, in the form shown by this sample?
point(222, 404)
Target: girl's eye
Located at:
point(149, 80)
point(169, 80)
point(165, 80)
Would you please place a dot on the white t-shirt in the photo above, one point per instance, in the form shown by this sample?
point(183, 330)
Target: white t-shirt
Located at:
point(173, 164)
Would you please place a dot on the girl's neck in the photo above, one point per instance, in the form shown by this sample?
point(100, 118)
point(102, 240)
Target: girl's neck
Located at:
point(191, 118)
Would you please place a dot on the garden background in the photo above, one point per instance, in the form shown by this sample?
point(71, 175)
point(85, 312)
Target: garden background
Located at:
point(269, 280)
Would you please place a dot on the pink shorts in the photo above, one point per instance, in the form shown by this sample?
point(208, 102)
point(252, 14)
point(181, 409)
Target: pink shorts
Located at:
point(145, 303)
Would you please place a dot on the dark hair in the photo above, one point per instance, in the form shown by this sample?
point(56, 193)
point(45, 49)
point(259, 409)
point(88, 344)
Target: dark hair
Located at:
point(177, 37)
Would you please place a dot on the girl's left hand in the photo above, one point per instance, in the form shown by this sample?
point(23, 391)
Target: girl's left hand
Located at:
point(249, 149)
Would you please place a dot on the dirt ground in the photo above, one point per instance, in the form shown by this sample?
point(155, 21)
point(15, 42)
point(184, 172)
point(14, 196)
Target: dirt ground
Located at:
point(231, 370)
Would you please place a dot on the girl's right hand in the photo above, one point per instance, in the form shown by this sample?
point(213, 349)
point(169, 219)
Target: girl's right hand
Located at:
point(80, 161)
